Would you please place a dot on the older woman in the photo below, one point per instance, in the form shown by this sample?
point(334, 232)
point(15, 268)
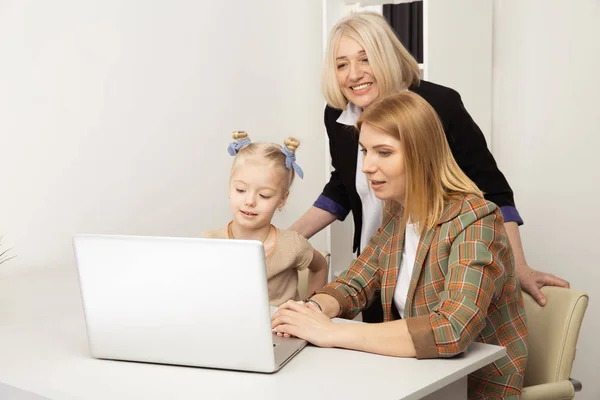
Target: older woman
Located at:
point(441, 260)
point(364, 61)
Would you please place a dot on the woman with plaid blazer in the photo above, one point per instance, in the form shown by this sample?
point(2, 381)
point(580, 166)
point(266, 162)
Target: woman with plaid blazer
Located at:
point(441, 261)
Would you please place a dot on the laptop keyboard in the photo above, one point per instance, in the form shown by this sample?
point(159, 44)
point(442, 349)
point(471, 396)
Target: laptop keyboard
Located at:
point(277, 340)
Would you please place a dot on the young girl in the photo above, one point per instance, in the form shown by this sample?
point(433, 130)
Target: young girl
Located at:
point(259, 184)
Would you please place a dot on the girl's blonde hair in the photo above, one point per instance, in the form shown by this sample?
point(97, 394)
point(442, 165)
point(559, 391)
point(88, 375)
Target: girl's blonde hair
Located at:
point(393, 66)
point(270, 152)
point(432, 174)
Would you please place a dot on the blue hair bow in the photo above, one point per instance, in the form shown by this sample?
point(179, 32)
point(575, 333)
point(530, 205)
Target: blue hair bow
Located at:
point(237, 145)
point(290, 161)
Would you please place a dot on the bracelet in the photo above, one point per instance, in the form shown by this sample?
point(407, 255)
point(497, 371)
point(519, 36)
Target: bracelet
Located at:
point(311, 301)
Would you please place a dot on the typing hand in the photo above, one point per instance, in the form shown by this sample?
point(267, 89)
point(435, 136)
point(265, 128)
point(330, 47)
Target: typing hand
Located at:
point(306, 321)
point(275, 309)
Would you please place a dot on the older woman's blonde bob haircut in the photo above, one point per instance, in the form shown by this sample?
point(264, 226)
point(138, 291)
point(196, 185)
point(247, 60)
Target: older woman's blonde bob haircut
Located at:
point(432, 174)
point(393, 66)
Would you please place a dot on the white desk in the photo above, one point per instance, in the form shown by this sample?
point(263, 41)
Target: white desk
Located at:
point(44, 354)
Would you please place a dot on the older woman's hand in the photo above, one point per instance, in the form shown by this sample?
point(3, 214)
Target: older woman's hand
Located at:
point(305, 321)
point(532, 281)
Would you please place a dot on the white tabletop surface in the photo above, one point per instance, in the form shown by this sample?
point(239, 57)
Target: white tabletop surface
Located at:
point(43, 350)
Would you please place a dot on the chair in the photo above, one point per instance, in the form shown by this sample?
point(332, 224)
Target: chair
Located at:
point(303, 276)
point(553, 333)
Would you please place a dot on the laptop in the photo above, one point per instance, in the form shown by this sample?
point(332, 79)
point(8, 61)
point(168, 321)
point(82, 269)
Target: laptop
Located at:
point(181, 301)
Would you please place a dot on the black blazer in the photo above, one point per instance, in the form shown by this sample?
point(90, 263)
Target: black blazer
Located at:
point(464, 136)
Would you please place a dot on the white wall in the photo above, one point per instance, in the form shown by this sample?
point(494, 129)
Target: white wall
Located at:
point(457, 52)
point(115, 115)
point(546, 138)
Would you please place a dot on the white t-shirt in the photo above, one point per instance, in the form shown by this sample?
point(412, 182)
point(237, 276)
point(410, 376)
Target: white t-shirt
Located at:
point(409, 254)
point(372, 207)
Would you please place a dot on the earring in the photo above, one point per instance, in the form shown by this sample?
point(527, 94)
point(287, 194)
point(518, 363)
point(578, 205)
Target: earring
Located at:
point(280, 208)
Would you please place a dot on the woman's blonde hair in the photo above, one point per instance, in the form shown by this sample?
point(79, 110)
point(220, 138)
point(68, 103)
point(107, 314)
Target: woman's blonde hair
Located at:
point(393, 66)
point(432, 174)
point(270, 152)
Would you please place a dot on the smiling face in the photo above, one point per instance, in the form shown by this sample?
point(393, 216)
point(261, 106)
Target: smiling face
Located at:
point(354, 74)
point(383, 163)
point(256, 190)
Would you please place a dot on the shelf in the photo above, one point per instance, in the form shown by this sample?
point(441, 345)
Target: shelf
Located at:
point(363, 3)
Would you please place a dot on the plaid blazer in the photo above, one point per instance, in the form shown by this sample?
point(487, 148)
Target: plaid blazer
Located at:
point(463, 289)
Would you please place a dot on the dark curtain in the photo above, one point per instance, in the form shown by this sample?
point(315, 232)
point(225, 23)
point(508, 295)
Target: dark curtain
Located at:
point(407, 21)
